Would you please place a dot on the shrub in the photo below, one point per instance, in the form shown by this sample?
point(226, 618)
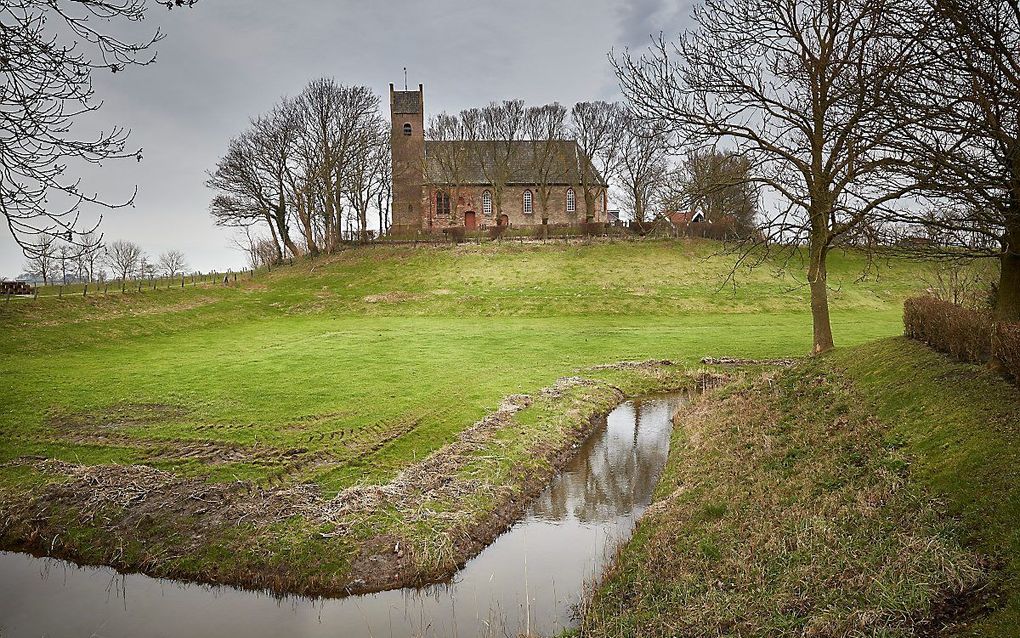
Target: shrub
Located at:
point(455, 234)
point(962, 332)
point(495, 232)
point(1006, 346)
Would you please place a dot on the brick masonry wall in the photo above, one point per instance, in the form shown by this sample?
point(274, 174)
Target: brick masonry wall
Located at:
point(469, 198)
point(408, 153)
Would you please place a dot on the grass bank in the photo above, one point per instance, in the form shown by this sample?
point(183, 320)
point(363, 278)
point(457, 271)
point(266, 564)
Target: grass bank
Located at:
point(340, 374)
point(871, 492)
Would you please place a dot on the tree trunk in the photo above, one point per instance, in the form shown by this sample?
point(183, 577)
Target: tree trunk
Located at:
point(1007, 304)
point(589, 205)
point(277, 248)
point(817, 279)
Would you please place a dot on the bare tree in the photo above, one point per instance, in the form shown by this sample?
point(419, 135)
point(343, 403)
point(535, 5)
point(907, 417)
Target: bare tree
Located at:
point(65, 261)
point(447, 162)
point(367, 154)
point(546, 127)
point(316, 159)
point(338, 124)
point(384, 193)
point(49, 52)
point(643, 165)
point(259, 250)
point(964, 108)
point(964, 282)
point(172, 263)
point(124, 258)
point(494, 132)
point(718, 185)
point(86, 254)
point(40, 260)
point(802, 89)
point(252, 178)
point(598, 129)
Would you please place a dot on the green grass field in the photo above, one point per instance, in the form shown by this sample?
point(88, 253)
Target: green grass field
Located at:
point(341, 372)
point(382, 336)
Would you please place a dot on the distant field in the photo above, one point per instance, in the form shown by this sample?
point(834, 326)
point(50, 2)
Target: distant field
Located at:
point(343, 371)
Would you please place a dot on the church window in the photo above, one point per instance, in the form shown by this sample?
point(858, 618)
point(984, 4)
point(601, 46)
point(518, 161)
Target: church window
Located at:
point(442, 203)
point(487, 204)
point(407, 128)
point(571, 201)
point(528, 209)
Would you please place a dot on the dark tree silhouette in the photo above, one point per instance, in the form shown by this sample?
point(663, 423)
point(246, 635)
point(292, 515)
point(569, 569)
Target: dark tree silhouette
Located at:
point(965, 100)
point(49, 50)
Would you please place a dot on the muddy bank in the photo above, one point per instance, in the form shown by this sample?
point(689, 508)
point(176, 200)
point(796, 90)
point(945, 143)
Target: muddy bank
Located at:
point(417, 529)
point(528, 581)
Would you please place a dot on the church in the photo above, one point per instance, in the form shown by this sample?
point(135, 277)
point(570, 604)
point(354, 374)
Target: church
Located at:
point(478, 184)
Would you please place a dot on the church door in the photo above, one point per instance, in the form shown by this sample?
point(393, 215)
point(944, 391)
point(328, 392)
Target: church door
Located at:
point(504, 220)
point(469, 220)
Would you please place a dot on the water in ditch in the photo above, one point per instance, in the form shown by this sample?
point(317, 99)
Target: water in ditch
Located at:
point(529, 580)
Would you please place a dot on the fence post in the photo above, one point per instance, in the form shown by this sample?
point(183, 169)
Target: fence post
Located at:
point(85, 291)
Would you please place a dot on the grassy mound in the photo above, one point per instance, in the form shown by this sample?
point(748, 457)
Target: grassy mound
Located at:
point(346, 371)
point(872, 492)
point(961, 425)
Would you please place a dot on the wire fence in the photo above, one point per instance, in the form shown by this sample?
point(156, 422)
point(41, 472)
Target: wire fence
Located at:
point(126, 286)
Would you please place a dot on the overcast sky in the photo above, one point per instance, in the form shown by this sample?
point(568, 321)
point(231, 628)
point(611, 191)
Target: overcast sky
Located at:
point(224, 61)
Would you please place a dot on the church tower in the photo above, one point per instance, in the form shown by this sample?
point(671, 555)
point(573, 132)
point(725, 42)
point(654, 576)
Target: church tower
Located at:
point(407, 141)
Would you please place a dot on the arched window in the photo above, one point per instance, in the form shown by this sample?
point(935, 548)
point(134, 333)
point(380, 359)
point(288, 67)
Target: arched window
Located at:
point(407, 128)
point(442, 203)
point(528, 208)
point(571, 201)
point(487, 204)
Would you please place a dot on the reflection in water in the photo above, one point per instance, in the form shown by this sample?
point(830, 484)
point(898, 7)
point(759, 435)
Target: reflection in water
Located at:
point(528, 579)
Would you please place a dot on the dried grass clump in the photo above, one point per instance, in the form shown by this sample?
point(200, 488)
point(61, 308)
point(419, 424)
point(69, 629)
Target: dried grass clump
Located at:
point(784, 512)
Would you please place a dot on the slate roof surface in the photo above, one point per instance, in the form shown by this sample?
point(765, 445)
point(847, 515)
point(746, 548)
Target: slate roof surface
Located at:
point(474, 162)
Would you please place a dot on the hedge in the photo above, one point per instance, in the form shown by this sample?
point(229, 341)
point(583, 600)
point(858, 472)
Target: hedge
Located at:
point(1006, 345)
point(967, 334)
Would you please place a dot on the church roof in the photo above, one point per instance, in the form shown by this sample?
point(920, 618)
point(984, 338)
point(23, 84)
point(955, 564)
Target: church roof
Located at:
point(472, 163)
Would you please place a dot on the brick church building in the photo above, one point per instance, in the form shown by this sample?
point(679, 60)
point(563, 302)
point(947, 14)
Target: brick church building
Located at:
point(477, 184)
